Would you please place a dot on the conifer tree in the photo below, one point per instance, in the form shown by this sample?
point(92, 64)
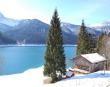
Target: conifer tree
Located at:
point(92, 43)
point(82, 46)
point(100, 43)
point(55, 66)
point(86, 42)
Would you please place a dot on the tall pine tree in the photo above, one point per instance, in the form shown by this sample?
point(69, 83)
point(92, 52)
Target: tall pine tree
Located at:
point(101, 43)
point(86, 42)
point(55, 66)
point(82, 45)
point(92, 43)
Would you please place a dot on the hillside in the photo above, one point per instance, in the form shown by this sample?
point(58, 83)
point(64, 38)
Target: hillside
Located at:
point(5, 40)
point(35, 32)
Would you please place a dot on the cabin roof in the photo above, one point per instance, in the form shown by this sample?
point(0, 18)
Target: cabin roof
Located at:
point(93, 57)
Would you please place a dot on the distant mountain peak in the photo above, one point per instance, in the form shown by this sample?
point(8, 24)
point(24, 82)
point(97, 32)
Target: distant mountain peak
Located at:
point(66, 24)
point(8, 21)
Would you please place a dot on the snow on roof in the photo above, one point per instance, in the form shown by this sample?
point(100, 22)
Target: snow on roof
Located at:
point(93, 57)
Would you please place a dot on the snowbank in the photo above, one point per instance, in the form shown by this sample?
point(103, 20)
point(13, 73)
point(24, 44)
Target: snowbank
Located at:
point(30, 78)
point(34, 78)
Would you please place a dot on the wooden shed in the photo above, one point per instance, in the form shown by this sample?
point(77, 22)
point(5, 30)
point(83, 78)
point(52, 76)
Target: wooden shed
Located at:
point(89, 62)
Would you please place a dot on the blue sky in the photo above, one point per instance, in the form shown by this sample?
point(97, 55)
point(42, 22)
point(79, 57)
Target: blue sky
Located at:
point(72, 11)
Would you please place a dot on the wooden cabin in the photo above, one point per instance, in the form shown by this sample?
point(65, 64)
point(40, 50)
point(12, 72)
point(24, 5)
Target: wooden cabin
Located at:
point(89, 62)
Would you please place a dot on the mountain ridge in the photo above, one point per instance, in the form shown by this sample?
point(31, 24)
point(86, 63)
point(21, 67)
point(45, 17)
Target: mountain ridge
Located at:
point(35, 31)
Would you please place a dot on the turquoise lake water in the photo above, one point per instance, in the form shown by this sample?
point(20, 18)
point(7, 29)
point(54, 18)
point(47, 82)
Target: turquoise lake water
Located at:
point(17, 59)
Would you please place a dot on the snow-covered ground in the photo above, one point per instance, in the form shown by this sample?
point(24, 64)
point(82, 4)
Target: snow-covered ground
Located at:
point(34, 78)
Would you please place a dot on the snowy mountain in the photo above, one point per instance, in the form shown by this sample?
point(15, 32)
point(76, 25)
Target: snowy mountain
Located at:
point(35, 31)
point(7, 24)
point(4, 27)
point(70, 28)
point(31, 30)
point(102, 27)
point(8, 21)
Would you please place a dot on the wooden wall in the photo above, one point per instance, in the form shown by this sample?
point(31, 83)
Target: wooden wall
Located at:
point(81, 63)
